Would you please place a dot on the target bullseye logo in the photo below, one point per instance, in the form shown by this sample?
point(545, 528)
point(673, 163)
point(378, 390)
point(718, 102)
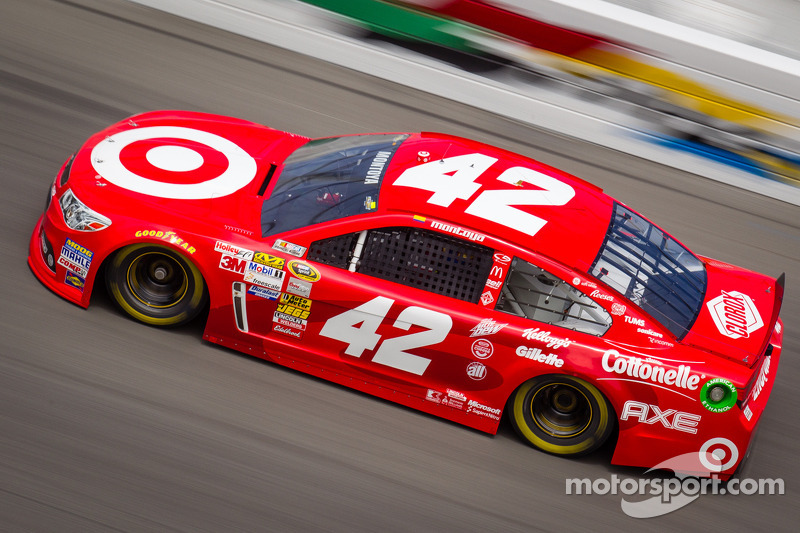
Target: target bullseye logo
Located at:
point(173, 162)
point(174, 158)
point(720, 449)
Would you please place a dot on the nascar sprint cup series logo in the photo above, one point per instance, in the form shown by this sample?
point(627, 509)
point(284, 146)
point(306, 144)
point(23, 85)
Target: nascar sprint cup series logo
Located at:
point(735, 314)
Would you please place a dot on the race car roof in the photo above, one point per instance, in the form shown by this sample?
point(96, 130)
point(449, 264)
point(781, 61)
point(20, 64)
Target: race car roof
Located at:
point(493, 191)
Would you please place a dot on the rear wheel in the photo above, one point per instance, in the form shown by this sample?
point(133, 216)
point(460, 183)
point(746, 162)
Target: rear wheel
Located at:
point(562, 415)
point(155, 285)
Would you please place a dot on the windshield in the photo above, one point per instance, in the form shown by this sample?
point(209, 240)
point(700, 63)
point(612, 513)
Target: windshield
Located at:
point(652, 270)
point(327, 179)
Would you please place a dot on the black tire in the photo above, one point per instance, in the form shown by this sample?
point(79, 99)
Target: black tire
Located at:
point(562, 415)
point(155, 285)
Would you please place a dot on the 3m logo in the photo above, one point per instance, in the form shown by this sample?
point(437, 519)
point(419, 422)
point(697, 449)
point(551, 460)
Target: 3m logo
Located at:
point(735, 314)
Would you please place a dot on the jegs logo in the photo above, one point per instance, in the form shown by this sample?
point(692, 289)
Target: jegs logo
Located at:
point(734, 314)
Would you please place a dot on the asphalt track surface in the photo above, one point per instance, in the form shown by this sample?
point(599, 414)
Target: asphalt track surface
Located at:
point(108, 425)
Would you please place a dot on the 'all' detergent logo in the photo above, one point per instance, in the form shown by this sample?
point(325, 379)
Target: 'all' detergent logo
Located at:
point(735, 314)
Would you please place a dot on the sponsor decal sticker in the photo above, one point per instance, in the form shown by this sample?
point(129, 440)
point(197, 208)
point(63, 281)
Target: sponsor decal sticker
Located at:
point(578, 282)
point(634, 321)
point(618, 309)
point(483, 410)
point(289, 332)
point(234, 264)
point(168, 236)
point(232, 249)
point(669, 418)
point(289, 248)
point(487, 298)
point(298, 287)
point(735, 314)
point(268, 282)
point(455, 230)
point(375, 170)
point(456, 395)
point(261, 292)
point(725, 403)
point(434, 396)
point(487, 326)
point(650, 332)
point(291, 310)
point(453, 402)
point(535, 334)
point(482, 349)
point(650, 372)
point(304, 271)
point(761, 380)
point(597, 295)
point(174, 155)
point(296, 301)
point(75, 257)
point(289, 321)
point(264, 270)
point(269, 260)
point(536, 354)
point(476, 371)
point(723, 449)
point(74, 280)
point(661, 342)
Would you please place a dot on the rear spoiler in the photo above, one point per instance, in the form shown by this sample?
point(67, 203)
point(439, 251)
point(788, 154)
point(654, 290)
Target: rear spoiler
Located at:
point(780, 283)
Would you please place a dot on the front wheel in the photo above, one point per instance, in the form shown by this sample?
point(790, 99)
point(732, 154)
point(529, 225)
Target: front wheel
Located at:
point(562, 415)
point(155, 285)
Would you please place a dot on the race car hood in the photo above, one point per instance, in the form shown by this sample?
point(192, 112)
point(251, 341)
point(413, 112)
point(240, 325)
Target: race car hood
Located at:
point(739, 312)
point(185, 164)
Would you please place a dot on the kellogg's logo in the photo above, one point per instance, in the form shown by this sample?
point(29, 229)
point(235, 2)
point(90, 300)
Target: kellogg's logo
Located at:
point(735, 314)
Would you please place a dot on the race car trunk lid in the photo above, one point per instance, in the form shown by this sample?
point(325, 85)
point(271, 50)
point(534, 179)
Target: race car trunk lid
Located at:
point(739, 313)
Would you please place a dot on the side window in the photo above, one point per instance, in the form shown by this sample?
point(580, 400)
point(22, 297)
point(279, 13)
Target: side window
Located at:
point(532, 292)
point(413, 257)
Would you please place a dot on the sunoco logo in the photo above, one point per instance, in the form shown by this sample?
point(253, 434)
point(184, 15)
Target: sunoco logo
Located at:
point(735, 314)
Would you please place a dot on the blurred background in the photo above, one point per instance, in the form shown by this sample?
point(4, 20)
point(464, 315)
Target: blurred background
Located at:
point(685, 110)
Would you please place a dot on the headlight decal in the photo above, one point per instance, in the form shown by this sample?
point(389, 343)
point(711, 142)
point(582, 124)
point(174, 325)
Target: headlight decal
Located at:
point(78, 216)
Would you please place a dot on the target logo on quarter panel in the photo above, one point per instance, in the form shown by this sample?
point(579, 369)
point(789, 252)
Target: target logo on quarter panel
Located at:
point(180, 163)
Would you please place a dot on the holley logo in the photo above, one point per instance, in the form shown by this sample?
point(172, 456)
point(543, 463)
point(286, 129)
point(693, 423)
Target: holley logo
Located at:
point(735, 314)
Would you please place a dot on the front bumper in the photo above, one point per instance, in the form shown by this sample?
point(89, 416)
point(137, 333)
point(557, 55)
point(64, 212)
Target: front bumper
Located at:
point(65, 282)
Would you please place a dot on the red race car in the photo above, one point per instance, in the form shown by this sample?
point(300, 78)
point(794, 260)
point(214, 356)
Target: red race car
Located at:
point(434, 271)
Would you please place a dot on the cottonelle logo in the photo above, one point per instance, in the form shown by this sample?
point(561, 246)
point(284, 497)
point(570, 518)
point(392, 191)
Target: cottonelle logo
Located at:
point(735, 314)
point(649, 371)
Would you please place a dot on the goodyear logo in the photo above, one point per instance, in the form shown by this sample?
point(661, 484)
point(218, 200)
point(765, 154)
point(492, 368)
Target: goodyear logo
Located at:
point(296, 301)
point(269, 260)
point(304, 271)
